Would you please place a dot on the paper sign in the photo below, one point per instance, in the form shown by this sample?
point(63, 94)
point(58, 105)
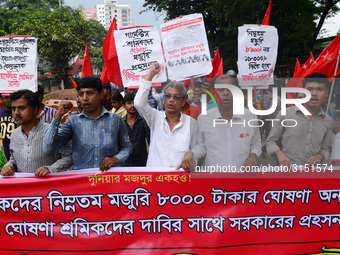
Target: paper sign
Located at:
point(137, 48)
point(18, 63)
point(186, 47)
point(257, 53)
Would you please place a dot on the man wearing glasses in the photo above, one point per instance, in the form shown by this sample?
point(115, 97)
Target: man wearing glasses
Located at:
point(174, 136)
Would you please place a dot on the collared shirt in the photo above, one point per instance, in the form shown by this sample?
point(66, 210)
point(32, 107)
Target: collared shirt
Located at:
point(47, 114)
point(27, 153)
point(167, 148)
point(229, 143)
point(309, 137)
point(92, 139)
point(139, 133)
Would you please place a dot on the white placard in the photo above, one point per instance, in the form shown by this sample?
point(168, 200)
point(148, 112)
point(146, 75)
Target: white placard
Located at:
point(137, 48)
point(18, 63)
point(257, 53)
point(186, 47)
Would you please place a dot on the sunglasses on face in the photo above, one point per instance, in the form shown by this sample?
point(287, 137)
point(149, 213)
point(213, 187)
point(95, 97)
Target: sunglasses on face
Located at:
point(176, 97)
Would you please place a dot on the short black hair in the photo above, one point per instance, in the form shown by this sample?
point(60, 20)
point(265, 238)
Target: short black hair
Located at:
point(40, 90)
point(90, 82)
point(107, 86)
point(318, 78)
point(31, 97)
point(117, 97)
point(128, 98)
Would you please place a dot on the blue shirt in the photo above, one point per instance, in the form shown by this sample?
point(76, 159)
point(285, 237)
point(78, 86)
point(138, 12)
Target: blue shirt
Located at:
point(92, 139)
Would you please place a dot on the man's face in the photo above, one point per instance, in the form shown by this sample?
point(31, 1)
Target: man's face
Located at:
point(5, 102)
point(22, 112)
point(130, 107)
point(225, 94)
point(173, 100)
point(106, 92)
point(90, 99)
point(318, 94)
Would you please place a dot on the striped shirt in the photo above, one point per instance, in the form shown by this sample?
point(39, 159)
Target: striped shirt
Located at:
point(47, 114)
point(27, 153)
point(92, 139)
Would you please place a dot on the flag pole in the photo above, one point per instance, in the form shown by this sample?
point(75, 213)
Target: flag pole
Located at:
point(333, 82)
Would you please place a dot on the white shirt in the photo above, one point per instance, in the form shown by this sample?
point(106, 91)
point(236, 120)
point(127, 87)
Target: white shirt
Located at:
point(229, 144)
point(336, 148)
point(167, 148)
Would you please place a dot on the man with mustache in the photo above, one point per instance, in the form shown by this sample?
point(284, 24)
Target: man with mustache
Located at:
point(138, 131)
point(99, 137)
point(229, 140)
point(26, 145)
point(309, 142)
point(174, 136)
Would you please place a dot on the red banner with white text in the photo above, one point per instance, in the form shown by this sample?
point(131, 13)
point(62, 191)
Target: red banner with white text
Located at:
point(169, 213)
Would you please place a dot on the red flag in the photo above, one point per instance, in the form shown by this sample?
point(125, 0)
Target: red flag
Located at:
point(326, 62)
point(266, 18)
point(215, 63)
point(104, 75)
point(297, 67)
point(220, 68)
point(73, 82)
point(87, 69)
point(306, 65)
point(110, 56)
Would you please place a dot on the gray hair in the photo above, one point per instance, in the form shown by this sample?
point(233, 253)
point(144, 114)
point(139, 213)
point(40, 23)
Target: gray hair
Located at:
point(176, 85)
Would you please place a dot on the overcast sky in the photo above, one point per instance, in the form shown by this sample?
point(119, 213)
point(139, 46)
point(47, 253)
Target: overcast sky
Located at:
point(150, 18)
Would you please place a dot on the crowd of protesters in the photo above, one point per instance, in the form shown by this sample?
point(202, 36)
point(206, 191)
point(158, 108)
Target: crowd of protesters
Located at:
point(166, 126)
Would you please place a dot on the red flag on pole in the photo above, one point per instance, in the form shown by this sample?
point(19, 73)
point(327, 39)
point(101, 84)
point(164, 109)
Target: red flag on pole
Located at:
point(306, 66)
point(111, 57)
point(215, 63)
point(104, 75)
point(297, 67)
point(326, 62)
point(220, 68)
point(73, 82)
point(266, 18)
point(87, 69)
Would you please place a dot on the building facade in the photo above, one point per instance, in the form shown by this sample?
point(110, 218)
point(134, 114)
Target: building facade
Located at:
point(105, 13)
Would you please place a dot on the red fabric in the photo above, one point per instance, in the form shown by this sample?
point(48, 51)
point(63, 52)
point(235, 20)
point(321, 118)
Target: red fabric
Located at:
point(87, 69)
point(194, 111)
point(111, 57)
point(170, 213)
point(266, 18)
point(104, 75)
point(305, 66)
point(297, 67)
point(215, 64)
point(326, 62)
point(73, 82)
point(220, 68)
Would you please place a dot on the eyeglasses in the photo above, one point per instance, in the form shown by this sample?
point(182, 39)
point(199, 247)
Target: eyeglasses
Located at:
point(176, 97)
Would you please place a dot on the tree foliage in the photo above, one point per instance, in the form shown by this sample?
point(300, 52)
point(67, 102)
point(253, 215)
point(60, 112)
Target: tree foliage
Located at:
point(293, 19)
point(61, 35)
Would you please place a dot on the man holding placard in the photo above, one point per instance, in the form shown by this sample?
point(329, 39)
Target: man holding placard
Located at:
point(174, 135)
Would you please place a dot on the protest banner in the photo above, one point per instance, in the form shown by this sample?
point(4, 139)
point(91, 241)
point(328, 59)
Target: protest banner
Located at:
point(18, 63)
point(137, 48)
point(169, 213)
point(186, 47)
point(257, 53)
